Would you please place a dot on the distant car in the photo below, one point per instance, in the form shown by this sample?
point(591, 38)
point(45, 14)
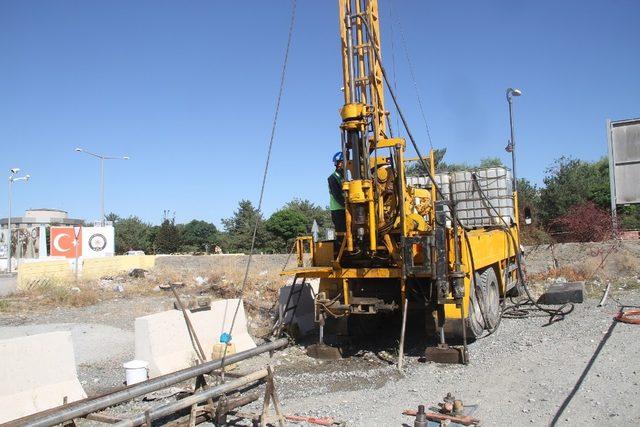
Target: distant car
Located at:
point(135, 253)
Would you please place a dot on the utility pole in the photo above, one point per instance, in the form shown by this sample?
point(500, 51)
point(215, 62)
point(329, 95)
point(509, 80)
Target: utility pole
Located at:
point(12, 179)
point(511, 92)
point(102, 158)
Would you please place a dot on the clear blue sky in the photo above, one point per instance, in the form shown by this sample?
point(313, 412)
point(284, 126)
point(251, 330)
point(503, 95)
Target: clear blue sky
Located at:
point(187, 89)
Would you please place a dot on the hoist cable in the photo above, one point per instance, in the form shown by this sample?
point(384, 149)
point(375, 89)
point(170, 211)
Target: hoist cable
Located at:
point(412, 73)
point(264, 178)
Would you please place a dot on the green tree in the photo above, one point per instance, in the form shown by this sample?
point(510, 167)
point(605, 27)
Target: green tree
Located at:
point(311, 212)
point(167, 239)
point(239, 229)
point(131, 234)
point(113, 217)
point(417, 168)
point(284, 226)
point(197, 235)
point(629, 217)
point(528, 197)
point(570, 182)
point(490, 162)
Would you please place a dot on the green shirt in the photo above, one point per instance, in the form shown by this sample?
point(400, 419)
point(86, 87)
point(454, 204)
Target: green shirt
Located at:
point(336, 198)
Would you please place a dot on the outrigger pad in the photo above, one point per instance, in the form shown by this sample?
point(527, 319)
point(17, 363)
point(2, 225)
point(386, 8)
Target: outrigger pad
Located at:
point(445, 354)
point(324, 352)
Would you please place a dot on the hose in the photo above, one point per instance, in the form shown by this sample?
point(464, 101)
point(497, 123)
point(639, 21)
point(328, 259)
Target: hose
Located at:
point(516, 310)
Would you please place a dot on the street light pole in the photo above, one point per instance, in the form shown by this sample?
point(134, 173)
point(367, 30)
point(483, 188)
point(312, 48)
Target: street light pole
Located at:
point(512, 143)
point(12, 179)
point(101, 190)
point(102, 159)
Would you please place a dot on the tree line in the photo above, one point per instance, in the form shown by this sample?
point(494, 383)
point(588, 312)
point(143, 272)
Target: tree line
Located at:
point(274, 234)
point(573, 204)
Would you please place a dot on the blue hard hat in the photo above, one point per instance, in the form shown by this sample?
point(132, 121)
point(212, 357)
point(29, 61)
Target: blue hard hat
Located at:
point(338, 157)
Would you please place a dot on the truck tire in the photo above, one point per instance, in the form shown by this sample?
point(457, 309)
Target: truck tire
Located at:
point(484, 303)
point(488, 282)
point(476, 321)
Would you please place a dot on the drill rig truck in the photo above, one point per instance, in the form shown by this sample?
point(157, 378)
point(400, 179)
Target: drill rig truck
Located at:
point(446, 245)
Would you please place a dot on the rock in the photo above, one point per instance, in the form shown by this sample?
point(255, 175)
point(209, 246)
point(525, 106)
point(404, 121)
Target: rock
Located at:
point(137, 273)
point(562, 293)
point(118, 288)
point(75, 289)
point(201, 280)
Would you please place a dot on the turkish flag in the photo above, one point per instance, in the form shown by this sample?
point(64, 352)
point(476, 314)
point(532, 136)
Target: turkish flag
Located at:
point(66, 242)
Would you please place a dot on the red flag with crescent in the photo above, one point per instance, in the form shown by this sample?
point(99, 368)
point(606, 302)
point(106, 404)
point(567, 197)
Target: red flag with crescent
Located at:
point(66, 242)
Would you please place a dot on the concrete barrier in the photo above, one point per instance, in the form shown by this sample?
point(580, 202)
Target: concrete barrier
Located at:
point(55, 271)
point(94, 268)
point(8, 284)
point(34, 272)
point(36, 373)
point(162, 339)
point(305, 314)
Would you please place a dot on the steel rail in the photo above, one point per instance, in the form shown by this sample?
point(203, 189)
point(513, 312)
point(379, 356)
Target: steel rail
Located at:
point(84, 407)
point(173, 407)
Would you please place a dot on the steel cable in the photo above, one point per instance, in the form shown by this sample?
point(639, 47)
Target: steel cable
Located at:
point(264, 179)
point(412, 73)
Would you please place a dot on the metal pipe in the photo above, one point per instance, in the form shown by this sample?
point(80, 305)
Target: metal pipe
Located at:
point(352, 77)
point(510, 93)
point(402, 332)
point(86, 406)
point(172, 408)
point(9, 227)
point(195, 342)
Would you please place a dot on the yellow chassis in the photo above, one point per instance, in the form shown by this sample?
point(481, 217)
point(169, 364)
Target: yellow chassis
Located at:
point(490, 248)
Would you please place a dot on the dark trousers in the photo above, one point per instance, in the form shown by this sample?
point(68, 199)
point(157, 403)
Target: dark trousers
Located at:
point(339, 220)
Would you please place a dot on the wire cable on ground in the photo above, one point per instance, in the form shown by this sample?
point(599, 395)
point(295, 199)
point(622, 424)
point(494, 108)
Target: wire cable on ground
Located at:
point(228, 337)
point(517, 309)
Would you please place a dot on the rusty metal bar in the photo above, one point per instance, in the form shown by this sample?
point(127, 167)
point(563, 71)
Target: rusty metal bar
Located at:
point(81, 408)
point(173, 407)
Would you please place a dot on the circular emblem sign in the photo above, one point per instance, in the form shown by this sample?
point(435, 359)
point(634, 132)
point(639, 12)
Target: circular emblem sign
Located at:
point(97, 242)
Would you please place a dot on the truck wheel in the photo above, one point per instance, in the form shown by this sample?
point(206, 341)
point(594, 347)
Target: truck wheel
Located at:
point(488, 282)
point(475, 321)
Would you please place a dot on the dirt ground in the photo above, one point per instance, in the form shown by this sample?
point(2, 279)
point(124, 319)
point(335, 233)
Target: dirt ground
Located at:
point(520, 375)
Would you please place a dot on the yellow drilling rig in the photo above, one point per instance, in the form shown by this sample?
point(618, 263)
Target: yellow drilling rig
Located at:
point(443, 244)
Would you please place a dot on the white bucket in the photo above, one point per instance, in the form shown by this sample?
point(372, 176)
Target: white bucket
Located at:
point(136, 371)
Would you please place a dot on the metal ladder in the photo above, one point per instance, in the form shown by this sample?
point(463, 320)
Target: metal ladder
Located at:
point(296, 289)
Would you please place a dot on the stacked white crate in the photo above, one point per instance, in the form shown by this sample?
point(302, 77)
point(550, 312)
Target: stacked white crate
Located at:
point(477, 208)
point(473, 209)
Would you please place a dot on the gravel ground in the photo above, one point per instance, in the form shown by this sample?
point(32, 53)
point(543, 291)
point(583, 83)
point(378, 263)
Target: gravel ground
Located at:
point(518, 376)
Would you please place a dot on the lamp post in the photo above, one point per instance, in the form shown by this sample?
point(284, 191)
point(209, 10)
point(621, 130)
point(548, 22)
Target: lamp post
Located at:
point(511, 147)
point(102, 159)
point(12, 179)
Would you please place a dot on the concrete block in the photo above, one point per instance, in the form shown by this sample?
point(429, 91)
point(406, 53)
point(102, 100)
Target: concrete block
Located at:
point(162, 339)
point(36, 373)
point(8, 284)
point(304, 316)
point(562, 293)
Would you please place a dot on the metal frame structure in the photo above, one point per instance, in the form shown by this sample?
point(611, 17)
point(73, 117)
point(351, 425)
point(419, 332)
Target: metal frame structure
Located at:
point(613, 163)
point(399, 238)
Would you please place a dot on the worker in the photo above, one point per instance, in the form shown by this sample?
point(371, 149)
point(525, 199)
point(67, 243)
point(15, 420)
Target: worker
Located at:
point(336, 196)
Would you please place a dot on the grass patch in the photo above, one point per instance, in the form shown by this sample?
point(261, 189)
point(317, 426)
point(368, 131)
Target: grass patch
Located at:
point(63, 294)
